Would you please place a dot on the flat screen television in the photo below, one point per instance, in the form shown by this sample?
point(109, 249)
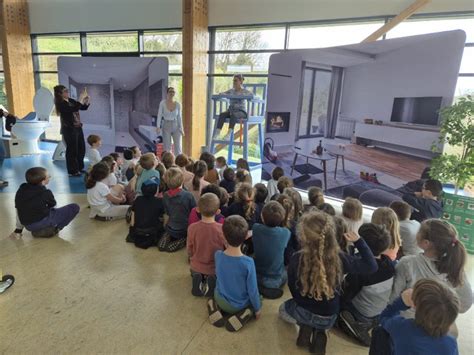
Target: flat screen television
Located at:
point(416, 110)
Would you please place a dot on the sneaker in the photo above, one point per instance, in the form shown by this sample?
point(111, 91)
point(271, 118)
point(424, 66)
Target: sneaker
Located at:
point(304, 336)
point(215, 315)
point(210, 285)
point(238, 320)
point(271, 293)
point(6, 282)
point(47, 232)
point(355, 328)
point(318, 344)
point(197, 285)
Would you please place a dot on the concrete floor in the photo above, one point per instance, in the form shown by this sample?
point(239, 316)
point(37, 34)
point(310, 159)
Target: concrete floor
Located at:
point(90, 292)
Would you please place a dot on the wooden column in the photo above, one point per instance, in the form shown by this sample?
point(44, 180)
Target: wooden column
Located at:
point(195, 47)
point(17, 58)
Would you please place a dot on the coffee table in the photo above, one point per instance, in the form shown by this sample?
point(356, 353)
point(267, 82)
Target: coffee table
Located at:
point(306, 150)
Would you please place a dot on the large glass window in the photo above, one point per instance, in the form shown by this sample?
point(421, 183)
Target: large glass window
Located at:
point(230, 63)
point(3, 92)
point(168, 41)
point(175, 61)
point(467, 63)
point(465, 86)
point(250, 38)
point(330, 35)
point(55, 44)
point(112, 42)
point(419, 27)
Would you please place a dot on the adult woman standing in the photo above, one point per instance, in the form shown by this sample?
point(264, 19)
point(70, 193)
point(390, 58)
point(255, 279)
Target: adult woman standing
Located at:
point(169, 122)
point(71, 127)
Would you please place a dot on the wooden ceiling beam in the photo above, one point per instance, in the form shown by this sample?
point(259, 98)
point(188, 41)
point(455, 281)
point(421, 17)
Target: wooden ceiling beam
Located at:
point(410, 10)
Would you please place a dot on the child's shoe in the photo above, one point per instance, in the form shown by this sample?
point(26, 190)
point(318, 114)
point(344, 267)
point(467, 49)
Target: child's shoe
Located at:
point(163, 242)
point(318, 343)
point(6, 282)
point(238, 320)
point(355, 328)
point(210, 285)
point(197, 285)
point(304, 336)
point(215, 315)
point(270, 293)
point(47, 232)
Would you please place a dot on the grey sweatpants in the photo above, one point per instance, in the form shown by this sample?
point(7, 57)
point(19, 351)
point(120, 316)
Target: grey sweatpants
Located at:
point(170, 129)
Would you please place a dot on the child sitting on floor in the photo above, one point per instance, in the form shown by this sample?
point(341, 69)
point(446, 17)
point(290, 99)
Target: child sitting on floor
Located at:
point(261, 194)
point(243, 176)
point(327, 208)
point(167, 158)
point(128, 166)
point(119, 172)
point(111, 179)
point(427, 203)
point(204, 239)
point(315, 198)
point(93, 153)
point(244, 205)
point(224, 201)
point(137, 154)
point(212, 176)
point(182, 161)
point(297, 201)
point(148, 162)
point(408, 228)
point(277, 173)
point(105, 206)
point(352, 213)
point(195, 215)
point(436, 308)
point(314, 278)
point(269, 241)
point(236, 292)
point(178, 203)
point(221, 165)
point(283, 183)
point(366, 296)
point(387, 217)
point(146, 225)
point(228, 180)
point(198, 181)
point(36, 206)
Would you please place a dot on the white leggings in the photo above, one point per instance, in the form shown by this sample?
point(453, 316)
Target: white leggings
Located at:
point(114, 211)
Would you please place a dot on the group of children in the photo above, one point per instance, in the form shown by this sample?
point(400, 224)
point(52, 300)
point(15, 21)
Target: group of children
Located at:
point(246, 241)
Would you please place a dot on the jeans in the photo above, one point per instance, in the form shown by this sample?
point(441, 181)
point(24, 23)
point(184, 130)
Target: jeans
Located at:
point(291, 312)
point(75, 149)
point(58, 217)
point(268, 282)
point(233, 116)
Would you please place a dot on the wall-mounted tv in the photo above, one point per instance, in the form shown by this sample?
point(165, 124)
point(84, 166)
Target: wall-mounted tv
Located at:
point(416, 110)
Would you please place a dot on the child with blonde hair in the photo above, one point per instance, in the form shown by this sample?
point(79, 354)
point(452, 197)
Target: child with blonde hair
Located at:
point(352, 214)
point(244, 205)
point(315, 197)
point(314, 278)
point(148, 162)
point(284, 182)
point(198, 182)
point(387, 217)
point(297, 201)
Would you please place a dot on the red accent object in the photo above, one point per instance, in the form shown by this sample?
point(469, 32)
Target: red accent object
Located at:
point(159, 149)
point(174, 192)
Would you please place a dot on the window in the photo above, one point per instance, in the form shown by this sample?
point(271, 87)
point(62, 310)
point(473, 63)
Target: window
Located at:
point(56, 44)
point(419, 27)
point(112, 42)
point(230, 63)
point(467, 63)
point(465, 86)
point(169, 41)
point(3, 92)
point(175, 61)
point(250, 39)
point(330, 35)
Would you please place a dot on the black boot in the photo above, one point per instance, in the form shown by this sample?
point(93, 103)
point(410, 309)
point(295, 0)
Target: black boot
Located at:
point(318, 344)
point(304, 336)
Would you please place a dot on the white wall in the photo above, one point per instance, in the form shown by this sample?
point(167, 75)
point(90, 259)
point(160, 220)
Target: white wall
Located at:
point(49, 16)
point(429, 69)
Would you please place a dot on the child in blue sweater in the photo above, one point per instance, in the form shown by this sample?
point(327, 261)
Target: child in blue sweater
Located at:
point(269, 241)
point(436, 308)
point(236, 293)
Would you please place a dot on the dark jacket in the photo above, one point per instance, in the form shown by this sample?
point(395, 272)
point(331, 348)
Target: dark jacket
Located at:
point(33, 203)
point(424, 208)
point(68, 112)
point(364, 263)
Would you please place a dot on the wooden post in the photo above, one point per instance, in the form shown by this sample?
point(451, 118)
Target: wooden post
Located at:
point(410, 10)
point(17, 56)
point(195, 46)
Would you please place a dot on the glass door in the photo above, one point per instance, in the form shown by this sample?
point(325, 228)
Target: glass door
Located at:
point(314, 104)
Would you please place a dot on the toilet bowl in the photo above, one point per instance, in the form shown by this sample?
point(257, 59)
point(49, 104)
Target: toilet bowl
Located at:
point(29, 129)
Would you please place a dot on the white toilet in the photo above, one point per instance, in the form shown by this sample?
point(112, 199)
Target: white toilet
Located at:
point(29, 129)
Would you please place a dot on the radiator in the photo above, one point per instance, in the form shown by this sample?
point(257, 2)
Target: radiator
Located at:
point(345, 128)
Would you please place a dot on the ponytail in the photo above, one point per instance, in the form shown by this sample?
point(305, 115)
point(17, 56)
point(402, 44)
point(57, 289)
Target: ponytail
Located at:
point(289, 207)
point(199, 170)
point(449, 250)
point(98, 173)
point(246, 195)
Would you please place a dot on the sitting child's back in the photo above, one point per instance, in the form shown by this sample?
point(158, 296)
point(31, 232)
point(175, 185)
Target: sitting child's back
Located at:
point(426, 203)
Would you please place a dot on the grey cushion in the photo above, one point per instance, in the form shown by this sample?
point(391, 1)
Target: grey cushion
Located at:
point(378, 198)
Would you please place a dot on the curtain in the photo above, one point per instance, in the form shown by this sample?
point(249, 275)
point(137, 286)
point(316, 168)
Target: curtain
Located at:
point(334, 101)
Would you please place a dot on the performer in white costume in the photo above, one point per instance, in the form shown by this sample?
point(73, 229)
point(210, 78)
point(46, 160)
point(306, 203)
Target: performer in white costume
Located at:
point(169, 122)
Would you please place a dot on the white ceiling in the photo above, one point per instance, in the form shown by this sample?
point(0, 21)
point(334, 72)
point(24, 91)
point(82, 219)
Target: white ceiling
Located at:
point(127, 73)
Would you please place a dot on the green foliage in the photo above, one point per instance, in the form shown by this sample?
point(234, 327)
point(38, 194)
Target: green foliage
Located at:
point(457, 130)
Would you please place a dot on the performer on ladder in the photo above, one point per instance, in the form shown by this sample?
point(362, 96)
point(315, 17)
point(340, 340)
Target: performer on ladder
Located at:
point(236, 110)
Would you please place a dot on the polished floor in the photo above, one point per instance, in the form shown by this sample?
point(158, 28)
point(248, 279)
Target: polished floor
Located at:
point(88, 291)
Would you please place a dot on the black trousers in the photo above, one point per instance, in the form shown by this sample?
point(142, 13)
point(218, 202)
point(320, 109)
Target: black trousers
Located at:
point(75, 149)
point(233, 116)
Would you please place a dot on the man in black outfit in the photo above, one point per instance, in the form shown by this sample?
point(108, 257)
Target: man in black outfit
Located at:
point(71, 128)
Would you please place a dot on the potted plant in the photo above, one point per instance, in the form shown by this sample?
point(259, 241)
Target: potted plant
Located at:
point(456, 164)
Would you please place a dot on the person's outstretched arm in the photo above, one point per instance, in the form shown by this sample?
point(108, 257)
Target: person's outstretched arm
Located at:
point(365, 264)
point(65, 107)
